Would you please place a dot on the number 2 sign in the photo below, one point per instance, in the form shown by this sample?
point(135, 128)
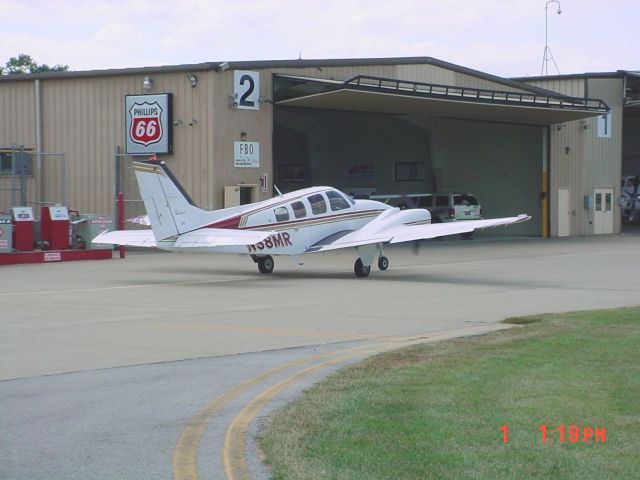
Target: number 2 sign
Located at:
point(246, 90)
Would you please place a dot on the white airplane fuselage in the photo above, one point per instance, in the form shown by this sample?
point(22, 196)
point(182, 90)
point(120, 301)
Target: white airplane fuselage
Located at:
point(310, 220)
point(297, 235)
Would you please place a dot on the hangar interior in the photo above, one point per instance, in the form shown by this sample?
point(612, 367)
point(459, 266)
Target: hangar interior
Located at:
point(385, 142)
point(631, 126)
point(364, 154)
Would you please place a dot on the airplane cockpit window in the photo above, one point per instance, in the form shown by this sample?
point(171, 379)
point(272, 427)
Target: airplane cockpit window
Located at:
point(299, 209)
point(318, 204)
point(337, 201)
point(282, 214)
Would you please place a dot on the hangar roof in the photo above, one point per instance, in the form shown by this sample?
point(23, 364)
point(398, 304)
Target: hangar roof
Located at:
point(276, 64)
point(382, 95)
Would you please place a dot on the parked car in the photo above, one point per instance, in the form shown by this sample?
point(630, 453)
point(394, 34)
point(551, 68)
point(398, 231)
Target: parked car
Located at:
point(444, 207)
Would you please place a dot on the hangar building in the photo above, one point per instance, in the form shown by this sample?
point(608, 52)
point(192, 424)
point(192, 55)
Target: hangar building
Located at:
point(551, 147)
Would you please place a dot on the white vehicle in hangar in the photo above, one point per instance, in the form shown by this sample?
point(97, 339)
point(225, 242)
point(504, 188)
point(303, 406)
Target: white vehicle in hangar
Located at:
point(443, 207)
point(311, 220)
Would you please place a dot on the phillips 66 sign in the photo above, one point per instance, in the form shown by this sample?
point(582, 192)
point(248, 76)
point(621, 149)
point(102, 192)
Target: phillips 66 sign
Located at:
point(148, 123)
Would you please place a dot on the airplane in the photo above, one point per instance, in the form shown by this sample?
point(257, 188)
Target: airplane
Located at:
point(311, 220)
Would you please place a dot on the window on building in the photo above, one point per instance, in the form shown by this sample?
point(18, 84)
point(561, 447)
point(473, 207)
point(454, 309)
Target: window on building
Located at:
point(337, 201)
point(11, 162)
point(318, 204)
point(299, 209)
point(410, 171)
point(282, 214)
point(291, 172)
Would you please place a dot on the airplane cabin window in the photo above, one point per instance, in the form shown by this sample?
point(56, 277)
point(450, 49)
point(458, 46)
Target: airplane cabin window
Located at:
point(282, 214)
point(337, 201)
point(299, 209)
point(318, 204)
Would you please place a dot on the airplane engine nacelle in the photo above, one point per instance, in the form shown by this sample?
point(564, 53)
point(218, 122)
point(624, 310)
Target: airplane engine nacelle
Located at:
point(410, 216)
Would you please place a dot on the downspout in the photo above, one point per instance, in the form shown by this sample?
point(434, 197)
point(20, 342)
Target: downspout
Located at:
point(39, 175)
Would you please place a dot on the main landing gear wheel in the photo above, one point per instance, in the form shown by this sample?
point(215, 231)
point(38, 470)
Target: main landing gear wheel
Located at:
point(383, 263)
point(265, 264)
point(360, 269)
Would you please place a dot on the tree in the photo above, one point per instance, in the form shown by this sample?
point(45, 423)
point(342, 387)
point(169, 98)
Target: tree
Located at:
point(23, 63)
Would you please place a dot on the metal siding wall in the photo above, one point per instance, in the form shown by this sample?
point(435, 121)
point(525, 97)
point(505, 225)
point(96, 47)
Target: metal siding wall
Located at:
point(573, 87)
point(84, 118)
point(603, 156)
point(567, 171)
point(229, 123)
point(17, 126)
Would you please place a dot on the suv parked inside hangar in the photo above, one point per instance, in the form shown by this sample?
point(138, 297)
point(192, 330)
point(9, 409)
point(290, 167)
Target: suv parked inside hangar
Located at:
point(444, 207)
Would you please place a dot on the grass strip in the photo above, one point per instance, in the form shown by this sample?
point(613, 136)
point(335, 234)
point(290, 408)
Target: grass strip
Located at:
point(435, 410)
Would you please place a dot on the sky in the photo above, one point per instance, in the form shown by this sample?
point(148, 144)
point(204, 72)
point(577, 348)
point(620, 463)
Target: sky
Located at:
point(500, 37)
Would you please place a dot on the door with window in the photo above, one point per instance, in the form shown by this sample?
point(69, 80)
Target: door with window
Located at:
point(603, 211)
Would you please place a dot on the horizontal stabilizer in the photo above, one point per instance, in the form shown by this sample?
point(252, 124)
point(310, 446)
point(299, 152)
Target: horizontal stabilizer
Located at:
point(218, 237)
point(132, 238)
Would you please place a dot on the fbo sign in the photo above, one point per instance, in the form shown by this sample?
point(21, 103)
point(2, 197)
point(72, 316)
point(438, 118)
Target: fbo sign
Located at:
point(148, 123)
point(246, 154)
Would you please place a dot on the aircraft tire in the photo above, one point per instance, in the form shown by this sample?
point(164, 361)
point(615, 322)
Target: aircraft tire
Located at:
point(266, 264)
point(360, 269)
point(383, 263)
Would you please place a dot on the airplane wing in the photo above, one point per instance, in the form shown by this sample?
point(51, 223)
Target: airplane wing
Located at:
point(218, 237)
point(395, 233)
point(203, 237)
point(132, 238)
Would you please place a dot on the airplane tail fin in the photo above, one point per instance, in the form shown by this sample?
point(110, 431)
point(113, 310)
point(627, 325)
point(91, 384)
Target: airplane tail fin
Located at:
point(170, 209)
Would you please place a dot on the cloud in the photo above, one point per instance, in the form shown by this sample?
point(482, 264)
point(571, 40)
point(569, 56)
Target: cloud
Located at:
point(505, 37)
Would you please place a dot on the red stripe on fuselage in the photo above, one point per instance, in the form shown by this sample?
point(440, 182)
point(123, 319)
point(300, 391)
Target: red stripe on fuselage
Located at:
point(231, 223)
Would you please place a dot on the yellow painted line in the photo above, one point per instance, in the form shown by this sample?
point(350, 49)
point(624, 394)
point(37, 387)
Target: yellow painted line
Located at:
point(184, 455)
point(235, 465)
point(235, 439)
point(281, 332)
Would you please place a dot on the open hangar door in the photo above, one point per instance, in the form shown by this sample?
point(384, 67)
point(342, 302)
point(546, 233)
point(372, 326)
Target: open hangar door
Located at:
point(372, 142)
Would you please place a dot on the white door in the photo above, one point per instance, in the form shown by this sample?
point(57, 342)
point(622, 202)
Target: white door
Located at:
point(603, 211)
point(564, 212)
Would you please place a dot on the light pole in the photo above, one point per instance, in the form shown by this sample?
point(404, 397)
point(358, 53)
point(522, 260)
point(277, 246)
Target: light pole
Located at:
point(548, 56)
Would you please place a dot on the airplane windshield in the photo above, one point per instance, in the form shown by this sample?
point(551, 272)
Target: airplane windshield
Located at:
point(337, 201)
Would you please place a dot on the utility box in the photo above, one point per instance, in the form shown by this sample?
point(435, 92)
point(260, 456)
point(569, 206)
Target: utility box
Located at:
point(54, 227)
point(23, 226)
point(6, 237)
point(90, 226)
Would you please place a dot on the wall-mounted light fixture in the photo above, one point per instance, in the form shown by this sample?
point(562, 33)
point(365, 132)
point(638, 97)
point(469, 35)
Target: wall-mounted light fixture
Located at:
point(147, 84)
point(561, 126)
point(192, 122)
point(243, 136)
point(177, 122)
point(193, 80)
